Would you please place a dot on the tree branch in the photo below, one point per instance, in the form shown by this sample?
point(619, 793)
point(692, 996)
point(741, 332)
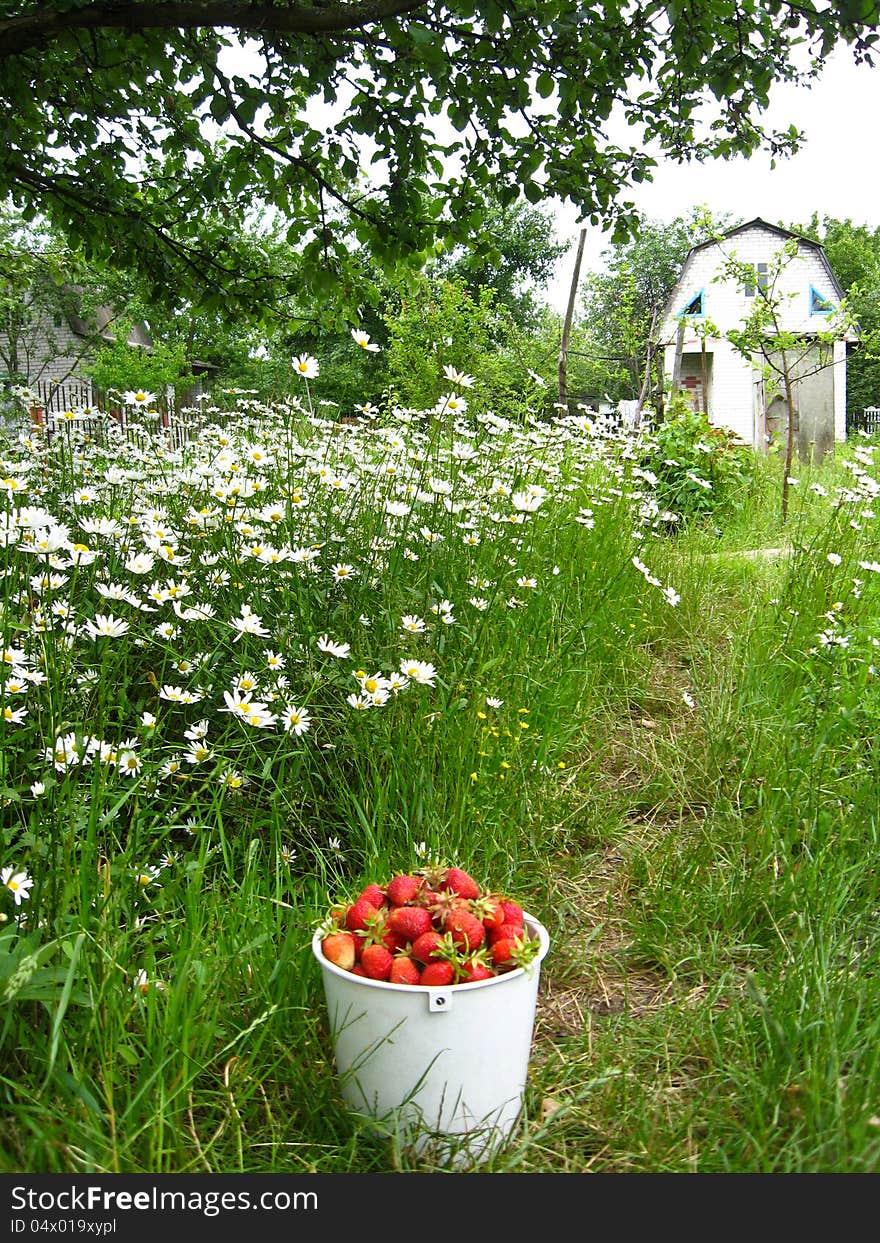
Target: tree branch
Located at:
point(36, 29)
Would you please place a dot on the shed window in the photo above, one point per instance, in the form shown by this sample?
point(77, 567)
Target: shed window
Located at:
point(763, 280)
point(819, 305)
point(695, 306)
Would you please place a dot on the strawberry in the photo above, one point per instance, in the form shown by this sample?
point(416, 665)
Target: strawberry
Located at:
point(462, 884)
point(503, 949)
point(409, 922)
point(428, 897)
point(466, 930)
point(474, 969)
point(425, 948)
point(402, 890)
point(357, 969)
point(376, 961)
point(513, 913)
point(339, 948)
point(404, 971)
point(505, 932)
point(438, 974)
point(489, 909)
point(358, 915)
point(375, 895)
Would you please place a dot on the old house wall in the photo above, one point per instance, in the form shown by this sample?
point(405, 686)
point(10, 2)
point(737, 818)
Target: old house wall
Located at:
point(734, 391)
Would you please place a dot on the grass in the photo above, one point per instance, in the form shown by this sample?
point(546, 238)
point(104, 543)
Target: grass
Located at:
point(685, 793)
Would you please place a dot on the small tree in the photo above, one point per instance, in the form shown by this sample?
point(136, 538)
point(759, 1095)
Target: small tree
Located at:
point(786, 356)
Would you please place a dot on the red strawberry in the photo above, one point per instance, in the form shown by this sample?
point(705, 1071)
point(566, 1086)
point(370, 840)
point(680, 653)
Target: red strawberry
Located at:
point(505, 932)
point(409, 921)
point(359, 914)
point(376, 961)
point(438, 974)
point(490, 910)
point(339, 948)
point(474, 969)
point(502, 950)
point(462, 884)
point(465, 929)
point(513, 913)
point(375, 895)
point(357, 969)
point(404, 971)
point(424, 948)
point(403, 889)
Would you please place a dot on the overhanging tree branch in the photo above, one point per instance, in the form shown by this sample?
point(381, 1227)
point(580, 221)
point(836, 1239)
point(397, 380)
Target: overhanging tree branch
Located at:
point(34, 30)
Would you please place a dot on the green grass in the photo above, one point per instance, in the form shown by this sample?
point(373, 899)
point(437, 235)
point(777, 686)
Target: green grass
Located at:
point(687, 795)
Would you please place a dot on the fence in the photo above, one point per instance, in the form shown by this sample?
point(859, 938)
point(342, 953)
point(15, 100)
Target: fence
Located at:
point(867, 420)
point(64, 395)
point(106, 430)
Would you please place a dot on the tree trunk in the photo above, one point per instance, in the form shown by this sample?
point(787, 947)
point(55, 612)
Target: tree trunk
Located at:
point(789, 440)
point(566, 328)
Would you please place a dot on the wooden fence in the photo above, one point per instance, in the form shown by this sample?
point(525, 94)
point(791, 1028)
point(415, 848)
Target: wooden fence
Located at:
point(867, 420)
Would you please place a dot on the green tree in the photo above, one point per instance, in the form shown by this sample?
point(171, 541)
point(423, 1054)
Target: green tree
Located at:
point(524, 254)
point(623, 303)
point(136, 131)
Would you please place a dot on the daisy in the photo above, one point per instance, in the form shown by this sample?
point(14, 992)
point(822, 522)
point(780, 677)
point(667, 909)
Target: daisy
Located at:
point(198, 753)
point(412, 624)
point(306, 366)
point(362, 339)
point(449, 403)
point(140, 563)
point(296, 720)
point(248, 623)
point(18, 884)
point(342, 572)
point(458, 377)
point(129, 763)
point(117, 591)
point(105, 626)
point(419, 671)
point(287, 854)
point(325, 644)
point(139, 398)
point(13, 716)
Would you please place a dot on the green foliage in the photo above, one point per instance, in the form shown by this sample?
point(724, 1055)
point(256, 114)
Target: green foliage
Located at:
point(443, 323)
point(214, 130)
point(622, 304)
point(701, 471)
point(120, 366)
point(525, 250)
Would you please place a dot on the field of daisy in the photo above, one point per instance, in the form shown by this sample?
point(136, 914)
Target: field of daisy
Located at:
point(246, 675)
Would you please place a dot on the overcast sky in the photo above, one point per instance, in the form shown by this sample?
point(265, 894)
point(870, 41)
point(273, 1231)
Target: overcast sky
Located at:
point(836, 173)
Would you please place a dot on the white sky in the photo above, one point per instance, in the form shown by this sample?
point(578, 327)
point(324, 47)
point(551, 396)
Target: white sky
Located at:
point(836, 173)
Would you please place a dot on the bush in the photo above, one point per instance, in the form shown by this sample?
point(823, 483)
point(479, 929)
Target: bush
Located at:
point(698, 471)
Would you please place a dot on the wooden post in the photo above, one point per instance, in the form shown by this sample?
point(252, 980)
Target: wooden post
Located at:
point(649, 361)
point(566, 328)
point(676, 363)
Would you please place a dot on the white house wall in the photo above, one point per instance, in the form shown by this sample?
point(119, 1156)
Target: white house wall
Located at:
point(725, 305)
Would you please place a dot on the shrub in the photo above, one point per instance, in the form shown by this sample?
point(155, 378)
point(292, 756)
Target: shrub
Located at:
point(698, 471)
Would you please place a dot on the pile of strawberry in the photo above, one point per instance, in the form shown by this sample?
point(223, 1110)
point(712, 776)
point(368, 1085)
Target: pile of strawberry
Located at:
point(434, 926)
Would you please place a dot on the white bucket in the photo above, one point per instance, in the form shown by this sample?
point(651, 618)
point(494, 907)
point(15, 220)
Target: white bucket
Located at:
point(436, 1065)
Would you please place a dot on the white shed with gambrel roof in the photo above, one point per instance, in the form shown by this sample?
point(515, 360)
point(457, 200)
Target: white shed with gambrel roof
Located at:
point(706, 304)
